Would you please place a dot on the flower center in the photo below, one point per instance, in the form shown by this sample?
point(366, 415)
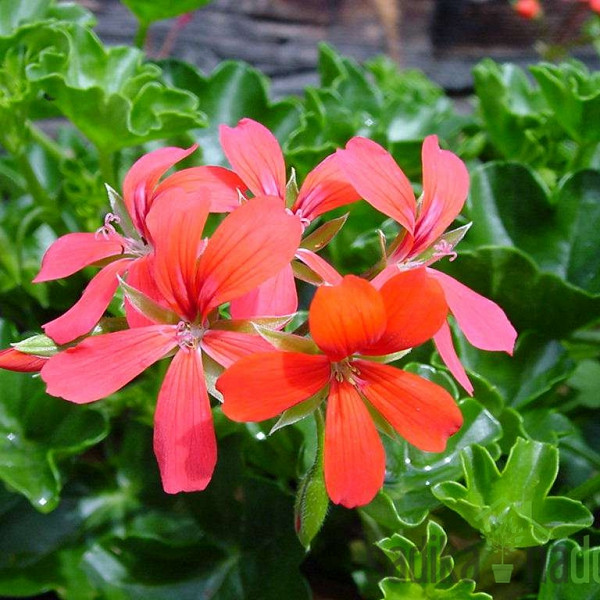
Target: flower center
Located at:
point(189, 335)
point(444, 248)
point(346, 371)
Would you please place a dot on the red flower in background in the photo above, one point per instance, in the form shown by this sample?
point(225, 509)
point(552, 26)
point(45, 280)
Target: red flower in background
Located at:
point(192, 277)
point(349, 322)
point(528, 9)
point(381, 182)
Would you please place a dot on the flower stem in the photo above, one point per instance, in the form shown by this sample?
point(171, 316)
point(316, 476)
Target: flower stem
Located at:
point(141, 34)
point(107, 167)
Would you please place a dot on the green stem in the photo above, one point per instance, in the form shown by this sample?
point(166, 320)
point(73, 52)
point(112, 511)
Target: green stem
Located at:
point(141, 34)
point(320, 423)
point(35, 188)
point(49, 145)
point(585, 490)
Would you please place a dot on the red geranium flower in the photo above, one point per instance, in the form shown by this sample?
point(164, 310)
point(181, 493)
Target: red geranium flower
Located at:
point(350, 322)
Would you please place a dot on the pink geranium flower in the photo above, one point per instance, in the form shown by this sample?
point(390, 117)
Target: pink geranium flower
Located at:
point(193, 278)
point(381, 182)
point(259, 169)
point(124, 253)
point(350, 322)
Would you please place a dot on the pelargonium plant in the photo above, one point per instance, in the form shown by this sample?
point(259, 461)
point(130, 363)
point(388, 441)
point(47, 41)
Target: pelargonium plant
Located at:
point(219, 306)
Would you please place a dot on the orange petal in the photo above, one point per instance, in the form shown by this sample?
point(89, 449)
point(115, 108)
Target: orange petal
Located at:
point(142, 178)
point(227, 347)
point(319, 265)
point(252, 244)
point(84, 315)
point(13, 360)
point(325, 188)
point(261, 386)
point(347, 317)
point(71, 252)
point(415, 307)
point(254, 153)
point(445, 189)
point(379, 180)
point(221, 185)
point(354, 456)
point(176, 222)
point(423, 413)
point(184, 437)
point(103, 364)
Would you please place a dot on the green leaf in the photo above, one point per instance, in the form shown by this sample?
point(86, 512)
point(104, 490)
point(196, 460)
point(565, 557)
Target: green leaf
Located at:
point(422, 568)
point(406, 498)
point(586, 380)
point(37, 432)
point(574, 95)
point(571, 572)
point(234, 90)
point(113, 86)
point(148, 11)
point(511, 508)
point(558, 233)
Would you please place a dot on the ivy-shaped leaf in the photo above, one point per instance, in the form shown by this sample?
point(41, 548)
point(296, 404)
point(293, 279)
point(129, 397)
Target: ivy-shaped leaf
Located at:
point(422, 569)
point(511, 508)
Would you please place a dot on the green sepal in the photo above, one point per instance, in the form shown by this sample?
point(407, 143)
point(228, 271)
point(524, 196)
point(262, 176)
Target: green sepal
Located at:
point(321, 236)
point(287, 342)
point(291, 190)
point(148, 307)
point(38, 345)
point(300, 411)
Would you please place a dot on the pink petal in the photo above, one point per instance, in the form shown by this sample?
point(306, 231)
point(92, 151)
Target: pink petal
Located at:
point(71, 252)
point(221, 185)
point(226, 347)
point(252, 244)
point(255, 155)
point(445, 346)
point(141, 180)
point(274, 298)
point(260, 386)
point(84, 315)
point(445, 189)
point(319, 265)
point(482, 321)
point(140, 276)
point(103, 364)
point(184, 436)
point(379, 180)
point(423, 413)
point(13, 360)
point(324, 189)
point(354, 456)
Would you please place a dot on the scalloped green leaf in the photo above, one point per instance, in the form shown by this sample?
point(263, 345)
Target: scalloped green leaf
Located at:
point(406, 498)
point(511, 508)
point(113, 87)
point(422, 568)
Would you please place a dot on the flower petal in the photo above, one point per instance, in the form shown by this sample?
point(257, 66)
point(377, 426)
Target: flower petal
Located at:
point(255, 155)
point(83, 316)
point(13, 360)
point(261, 386)
point(445, 346)
point(184, 436)
point(71, 252)
point(423, 413)
point(379, 180)
point(354, 456)
point(175, 223)
point(226, 347)
point(251, 245)
point(140, 276)
point(275, 297)
point(142, 178)
point(103, 364)
point(324, 189)
point(445, 189)
point(347, 317)
point(483, 322)
point(220, 184)
point(415, 307)
point(319, 265)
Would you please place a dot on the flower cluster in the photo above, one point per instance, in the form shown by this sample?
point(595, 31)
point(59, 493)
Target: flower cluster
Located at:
point(532, 9)
point(216, 306)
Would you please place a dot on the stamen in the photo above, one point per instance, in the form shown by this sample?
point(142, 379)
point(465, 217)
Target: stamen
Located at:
point(188, 335)
point(107, 229)
point(444, 248)
point(303, 220)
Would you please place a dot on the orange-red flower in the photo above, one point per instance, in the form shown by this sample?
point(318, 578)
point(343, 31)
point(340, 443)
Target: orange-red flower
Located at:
point(381, 182)
point(13, 360)
point(528, 9)
point(192, 278)
point(350, 322)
